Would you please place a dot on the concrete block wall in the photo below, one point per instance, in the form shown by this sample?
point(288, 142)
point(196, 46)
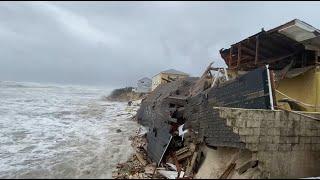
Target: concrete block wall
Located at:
point(286, 144)
point(266, 130)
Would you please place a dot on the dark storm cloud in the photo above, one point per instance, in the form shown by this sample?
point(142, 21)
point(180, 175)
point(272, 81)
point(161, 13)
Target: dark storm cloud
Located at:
point(116, 43)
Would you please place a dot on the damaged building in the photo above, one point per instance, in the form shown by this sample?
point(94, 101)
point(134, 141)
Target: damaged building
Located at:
point(257, 118)
point(292, 52)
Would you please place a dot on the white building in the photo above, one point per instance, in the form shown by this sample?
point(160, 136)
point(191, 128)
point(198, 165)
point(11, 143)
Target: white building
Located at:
point(143, 85)
point(167, 76)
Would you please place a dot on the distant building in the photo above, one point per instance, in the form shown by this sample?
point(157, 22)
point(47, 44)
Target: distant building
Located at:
point(167, 76)
point(143, 85)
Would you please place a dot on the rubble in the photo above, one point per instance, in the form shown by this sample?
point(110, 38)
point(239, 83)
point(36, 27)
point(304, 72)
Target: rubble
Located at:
point(231, 123)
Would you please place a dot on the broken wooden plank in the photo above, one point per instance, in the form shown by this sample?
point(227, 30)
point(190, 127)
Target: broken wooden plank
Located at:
point(247, 165)
point(191, 165)
point(141, 159)
point(178, 97)
point(231, 166)
point(184, 156)
point(226, 173)
point(182, 150)
point(177, 164)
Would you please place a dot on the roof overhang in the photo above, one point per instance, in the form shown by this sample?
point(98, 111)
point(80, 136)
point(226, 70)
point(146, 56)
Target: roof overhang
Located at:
point(278, 45)
point(301, 32)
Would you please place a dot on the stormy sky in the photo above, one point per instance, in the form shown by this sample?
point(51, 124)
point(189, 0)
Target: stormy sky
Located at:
point(115, 43)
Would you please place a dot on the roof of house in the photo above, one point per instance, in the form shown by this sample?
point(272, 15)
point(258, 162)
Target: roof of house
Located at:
point(144, 79)
point(173, 71)
point(276, 47)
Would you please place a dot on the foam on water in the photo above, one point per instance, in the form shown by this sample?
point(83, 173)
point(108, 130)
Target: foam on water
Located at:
point(61, 132)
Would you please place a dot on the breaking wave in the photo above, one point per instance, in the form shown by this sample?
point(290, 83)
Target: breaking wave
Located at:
point(61, 132)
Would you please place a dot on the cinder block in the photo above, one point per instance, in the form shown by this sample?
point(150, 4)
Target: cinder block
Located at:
point(285, 147)
point(315, 140)
point(256, 131)
point(272, 147)
point(275, 139)
point(252, 139)
point(297, 131)
point(259, 115)
point(289, 140)
point(294, 116)
point(252, 146)
point(315, 147)
point(290, 124)
point(315, 132)
point(307, 123)
point(262, 146)
point(284, 116)
point(240, 123)
point(277, 123)
point(303, 131)
point(229, 122)
point(307, 147)
point(313, 125)
point(263, 131)
point(267, 123)
point(273, 131)
point(298, 147)
point(245, 131)
point(310, 132)
point(305, 140)
point(265, 139)
point(243, 114)
point(253, 123)
point(277, 116)
point(287, 132)
point(283, 123)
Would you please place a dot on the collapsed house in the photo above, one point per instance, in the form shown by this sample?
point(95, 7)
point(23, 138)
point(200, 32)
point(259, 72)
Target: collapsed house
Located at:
point(258, 118)
point(292, 51)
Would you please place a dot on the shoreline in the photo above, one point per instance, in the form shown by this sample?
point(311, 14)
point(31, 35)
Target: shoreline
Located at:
point(137, 166)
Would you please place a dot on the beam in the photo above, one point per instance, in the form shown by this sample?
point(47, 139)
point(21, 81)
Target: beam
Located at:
point(257, 50)
point(267, 61)
point(281, 43)
point(239, 55)
point(272, 48)
point(250, 51)
point(230, 56)
point(272, 60)
point(262, 52)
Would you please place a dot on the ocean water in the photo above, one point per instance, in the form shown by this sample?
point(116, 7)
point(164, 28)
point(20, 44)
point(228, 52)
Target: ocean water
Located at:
point(50, 131)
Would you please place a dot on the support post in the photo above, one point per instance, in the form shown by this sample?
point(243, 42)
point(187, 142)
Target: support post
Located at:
point(230, 56)
point(257, 51)
point(239, 54)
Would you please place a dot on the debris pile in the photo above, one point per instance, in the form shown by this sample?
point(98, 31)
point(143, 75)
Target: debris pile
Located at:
point(138, 166)
point(266, 74)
